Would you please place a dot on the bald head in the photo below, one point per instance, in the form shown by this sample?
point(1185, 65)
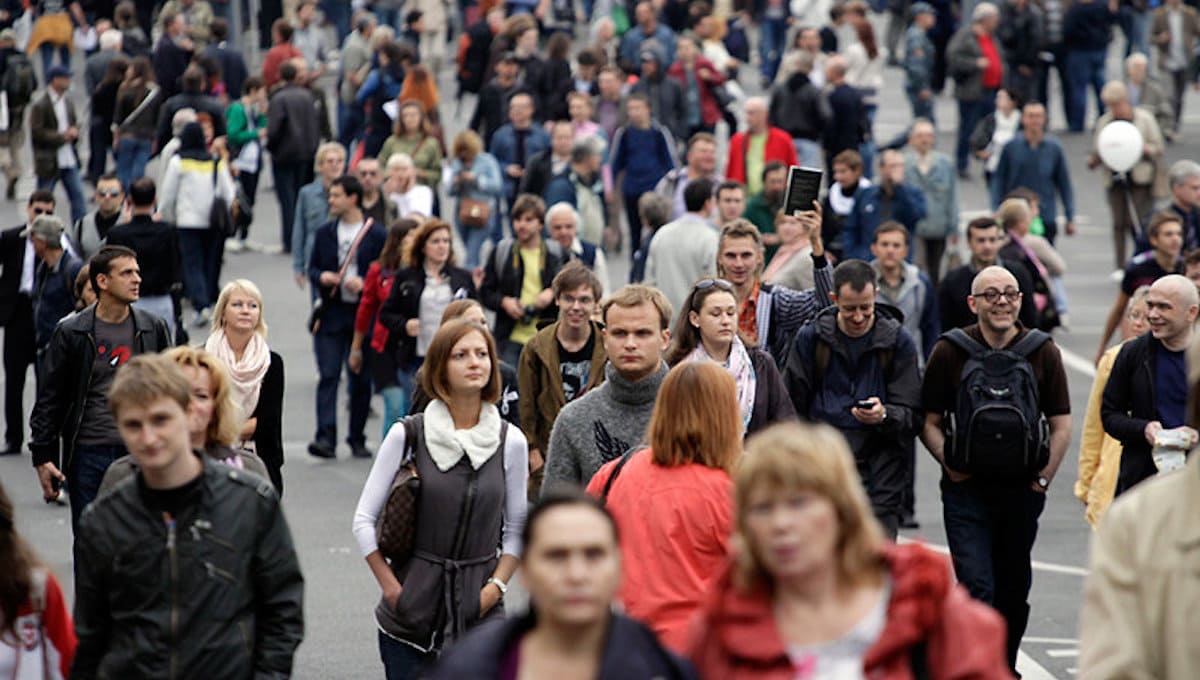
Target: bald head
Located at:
point(1179, 288)
point(995, 277)
point(756, 114)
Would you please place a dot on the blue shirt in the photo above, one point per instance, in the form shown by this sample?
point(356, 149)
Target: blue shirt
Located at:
point(1042, 169)
point(1170, 386)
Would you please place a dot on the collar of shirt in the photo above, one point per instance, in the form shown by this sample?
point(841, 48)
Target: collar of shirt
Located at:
point(748, 315)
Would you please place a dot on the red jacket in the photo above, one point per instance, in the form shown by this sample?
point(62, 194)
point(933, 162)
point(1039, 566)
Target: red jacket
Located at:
point(675, 524)
point(735, 636)
point(779, 147)
point(274, 59)
point(707, 77)
point(376, 288)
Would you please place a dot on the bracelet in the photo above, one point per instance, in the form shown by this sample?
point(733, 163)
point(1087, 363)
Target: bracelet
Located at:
point(499, 584)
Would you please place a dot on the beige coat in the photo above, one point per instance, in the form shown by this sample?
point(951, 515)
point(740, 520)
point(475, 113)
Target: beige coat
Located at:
point(1140, 617)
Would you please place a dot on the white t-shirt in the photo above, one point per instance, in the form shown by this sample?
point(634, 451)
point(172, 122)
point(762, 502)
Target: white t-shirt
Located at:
point(346, 233)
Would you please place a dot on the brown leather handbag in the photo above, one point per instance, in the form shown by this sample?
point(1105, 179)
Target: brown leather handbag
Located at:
point(396, 529)
point(473, 212)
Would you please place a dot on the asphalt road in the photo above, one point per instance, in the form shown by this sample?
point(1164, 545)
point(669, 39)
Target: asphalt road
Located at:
point(320, 495)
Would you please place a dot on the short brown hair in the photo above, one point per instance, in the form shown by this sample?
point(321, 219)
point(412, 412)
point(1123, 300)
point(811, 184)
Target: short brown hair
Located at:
point(890, 227)
point(145, 379)
point(740, 228)
point(849, 158)
point(696, 418)
point(434, 380)
point(458, 308)
point(1191, 257)
point(636, 294)
point(414, 254)
point(467, 144)
point(1160, 218)
point(575, 275)
point(529, 203)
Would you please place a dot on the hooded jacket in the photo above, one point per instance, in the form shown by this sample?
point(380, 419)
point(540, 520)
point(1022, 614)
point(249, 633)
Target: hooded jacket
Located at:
point(917, 302)
point(799, 108)
point(665, 94)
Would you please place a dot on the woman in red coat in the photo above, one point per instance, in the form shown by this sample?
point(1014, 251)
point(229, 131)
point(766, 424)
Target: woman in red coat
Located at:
point(815, 591)
point(699, 78)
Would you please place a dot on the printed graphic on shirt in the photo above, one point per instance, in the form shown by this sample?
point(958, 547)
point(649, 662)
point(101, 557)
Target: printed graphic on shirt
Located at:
point(574, 377)
point(609, 447)
point(116, 356)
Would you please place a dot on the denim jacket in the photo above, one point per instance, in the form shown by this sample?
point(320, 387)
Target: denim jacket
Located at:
point(940, 187)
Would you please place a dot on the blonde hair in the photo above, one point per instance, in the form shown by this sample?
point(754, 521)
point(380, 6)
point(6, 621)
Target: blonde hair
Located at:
point(246, 287)
point(794, 457)
point(328, 148)
point(227, 418)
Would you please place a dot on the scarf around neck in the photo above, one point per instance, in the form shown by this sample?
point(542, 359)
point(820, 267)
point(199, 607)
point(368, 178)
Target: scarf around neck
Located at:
point(447, 445)
point(246, 374)
point(840, 202)
point(741, 369)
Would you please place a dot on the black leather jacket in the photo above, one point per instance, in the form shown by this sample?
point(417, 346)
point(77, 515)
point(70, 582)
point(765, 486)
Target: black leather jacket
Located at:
point(218, 593)
point(66, 372)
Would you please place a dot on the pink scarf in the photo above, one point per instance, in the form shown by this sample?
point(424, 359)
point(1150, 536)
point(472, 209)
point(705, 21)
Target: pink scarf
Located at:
point(245, 375)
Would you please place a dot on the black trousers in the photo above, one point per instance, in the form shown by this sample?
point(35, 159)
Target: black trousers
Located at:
point(20, 350)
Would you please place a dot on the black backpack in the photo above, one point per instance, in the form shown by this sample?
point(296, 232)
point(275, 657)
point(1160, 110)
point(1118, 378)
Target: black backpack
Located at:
point(997, 429)
point(19, 81)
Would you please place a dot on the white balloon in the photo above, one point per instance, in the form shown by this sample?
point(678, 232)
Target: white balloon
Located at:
point(1120, 145)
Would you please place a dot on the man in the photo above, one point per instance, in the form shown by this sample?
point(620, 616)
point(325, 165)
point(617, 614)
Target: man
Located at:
point(19, 83)
point(562, 221)
point(1035, 159)
point(973, 60)
point(309, 38)
point(606, 421)
point(932, 173)
point(991, 521)
point(769, 316)
point(517, 279)
point(851, 355)
point(97, 62)
point(984, 240)
point(892, 198)
point(647, 29)
point(582, 187)
point(54, 279)
point(374, 204)
point(100, 124)
point(641, 154)
point(354, 65)
point(53, 129)
point(195, 97)
point(234, 577)
point(919, 56)
point(172, 54)
point(1165, 232)
point(1147, 93)
point(229, 58)
point(665, 94)
point(495, 96)
point(549, 163)
point(74, 435)
point(762, 207)
point(91, 232)
point(904, 286)
point(848, 124)
point(685, 249)
point(197, 17)
point(1021, 35)
point(343, 250)
point(610, 100)
point(1184, 180)
point(312, 210)
point(731, 201)
point(1087, 30)
point(475, 45)
point(1147, 391)
point(1175, 28)
point(564, 361)
point(293, 133)
point(761, 143)
point(157, 246)
point(515, 143)
point(799, 108)
point(700, 163)
point(281, 52)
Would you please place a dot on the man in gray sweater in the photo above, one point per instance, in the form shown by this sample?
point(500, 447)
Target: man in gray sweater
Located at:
point(602, 424)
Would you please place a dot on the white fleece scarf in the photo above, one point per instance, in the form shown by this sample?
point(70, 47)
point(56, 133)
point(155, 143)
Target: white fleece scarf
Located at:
point(447, 445)
point(840, 202)
point(246, 374)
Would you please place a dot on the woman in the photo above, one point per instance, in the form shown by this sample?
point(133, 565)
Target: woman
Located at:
point(864, 65)
point(815, 591)
point(413, 136)
point(838, 203)
point(402, 189)
point(136, 116)
point(104, 107)
point(84, 295)
point(1036, 254)
point(557, 80)
point(185, 200)
point(996, 129)
point(672, 501)
point(1099, 453)
point(214, 419)
point(419, 85)
point(473, 468)
point(707, 329)
point(581, 633)
point(580, 109)
point(791, 266)
point(414, 307)
point(381, 86)
point(37, 638)
point(377, 286)
point(239, 342)
point(475, 176)
point(246, 130)
point(699, 78)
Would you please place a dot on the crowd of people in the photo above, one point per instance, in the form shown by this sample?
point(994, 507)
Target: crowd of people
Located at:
point(724, 443)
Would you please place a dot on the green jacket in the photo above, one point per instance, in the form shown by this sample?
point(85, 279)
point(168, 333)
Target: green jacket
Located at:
point(426, 153)
point(238, 128)
point(759, 212)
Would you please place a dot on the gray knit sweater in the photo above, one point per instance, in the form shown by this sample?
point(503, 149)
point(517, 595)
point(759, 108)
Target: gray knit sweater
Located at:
point(599, 427)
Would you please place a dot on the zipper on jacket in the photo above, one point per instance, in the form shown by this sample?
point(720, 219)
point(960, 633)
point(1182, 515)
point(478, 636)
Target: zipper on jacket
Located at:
point(173, 557)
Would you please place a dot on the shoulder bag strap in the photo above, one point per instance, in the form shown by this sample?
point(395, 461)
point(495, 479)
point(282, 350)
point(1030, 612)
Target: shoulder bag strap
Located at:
point(150, 95)
point(616, 472)
point(366, 227)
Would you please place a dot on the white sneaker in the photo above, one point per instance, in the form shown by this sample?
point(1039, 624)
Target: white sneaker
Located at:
point(252, 246)
point(1117, 275)
point(233, 245)
point(202, 317)
point(273, 249)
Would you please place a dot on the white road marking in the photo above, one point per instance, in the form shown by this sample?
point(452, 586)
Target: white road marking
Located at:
point(1038, 565)
point(1061, 653)
point(1032, 670)
point(1078, 363)
point(1050, 640)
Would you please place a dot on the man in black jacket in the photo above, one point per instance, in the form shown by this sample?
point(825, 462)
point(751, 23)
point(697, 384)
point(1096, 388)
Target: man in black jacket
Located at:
point(849, 126)
point(798, 106)
point(193, 97)
point(71, 415)
point(157, 246)
point(236, 592)
point(545, 165)
point(172, 54)
point(984, 240)
point(293, 133)
point(491, 112)
point(1147, 391)
point(233, 65)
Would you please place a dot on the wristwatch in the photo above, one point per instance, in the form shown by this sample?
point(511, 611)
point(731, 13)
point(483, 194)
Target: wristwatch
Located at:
point(1043, 482)
point(499, 584)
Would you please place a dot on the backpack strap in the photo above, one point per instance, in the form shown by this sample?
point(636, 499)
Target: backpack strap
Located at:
point(616, 472)
point(1029, 344)
point(963, 340)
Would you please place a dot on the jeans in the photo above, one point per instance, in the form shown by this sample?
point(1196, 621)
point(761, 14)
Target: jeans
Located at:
point(350, 123)
point(389, 17)
point(969, 115)
point(1086, 68)
point(473, 239)
point(1059, 63)
point(99, 144)
point(73, 183)
point(132, 156)
point(991, 531)
point(331, 345)
point(921, 108)
point(88, 465)
point(161, 306)
point(289, 177)
point(337, 12)
point(249, 182)
point(401, 661)
point(808, 152)
point(772, 36)
point(1135, 24)
point(47, 50)
point(19, 353)
point(195, 251)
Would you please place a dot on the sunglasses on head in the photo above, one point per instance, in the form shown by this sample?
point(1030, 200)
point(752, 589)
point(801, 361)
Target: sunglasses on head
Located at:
point(709, 283)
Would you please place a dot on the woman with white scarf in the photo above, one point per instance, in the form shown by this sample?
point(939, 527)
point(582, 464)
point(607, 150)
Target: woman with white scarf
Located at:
point(473, 468)
point(239, 342)
point(707, 330)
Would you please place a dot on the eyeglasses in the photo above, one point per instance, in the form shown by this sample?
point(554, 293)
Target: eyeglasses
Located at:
point(705, 284)
point(993, 296)
point(571, 301)
point(109, 193)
